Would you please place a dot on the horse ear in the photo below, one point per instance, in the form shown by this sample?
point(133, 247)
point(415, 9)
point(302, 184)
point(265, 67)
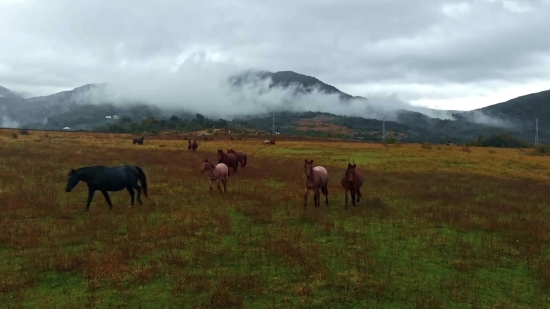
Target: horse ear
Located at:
point(305, 161)
point(354, 165)
point(72, 172)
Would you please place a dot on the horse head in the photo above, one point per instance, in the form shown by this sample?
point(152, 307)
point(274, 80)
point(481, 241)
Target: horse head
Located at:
point(350, 173)
point(72, 180)
point(308, 169)
point(206, 165)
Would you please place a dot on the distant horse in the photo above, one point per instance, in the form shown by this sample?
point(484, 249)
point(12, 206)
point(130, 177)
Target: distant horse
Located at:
point(269, 142)
point(239, 138)
point(229, 159)
point(104, 179)
point(352, 182)
point(231, 137)
point(316, 179)
point(138, 141)
point(192, 145)
point(216, 173)
point(241, 157)
point(185, 138)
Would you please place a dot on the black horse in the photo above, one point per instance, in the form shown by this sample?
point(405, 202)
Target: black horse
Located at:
point(105, 179)
point(138, 141)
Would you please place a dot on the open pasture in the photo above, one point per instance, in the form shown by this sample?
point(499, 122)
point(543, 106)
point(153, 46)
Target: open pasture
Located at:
point(438, 227)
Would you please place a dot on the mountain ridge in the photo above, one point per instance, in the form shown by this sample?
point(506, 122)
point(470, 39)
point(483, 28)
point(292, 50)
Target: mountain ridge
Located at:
point(38, 110)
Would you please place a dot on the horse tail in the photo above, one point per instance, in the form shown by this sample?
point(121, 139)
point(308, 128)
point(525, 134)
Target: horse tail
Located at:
point(143, 180)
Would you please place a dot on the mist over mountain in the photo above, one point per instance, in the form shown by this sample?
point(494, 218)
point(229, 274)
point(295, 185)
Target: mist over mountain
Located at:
point(220, 92)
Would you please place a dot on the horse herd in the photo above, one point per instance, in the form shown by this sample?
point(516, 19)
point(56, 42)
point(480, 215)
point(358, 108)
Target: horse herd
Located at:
point(112, 179)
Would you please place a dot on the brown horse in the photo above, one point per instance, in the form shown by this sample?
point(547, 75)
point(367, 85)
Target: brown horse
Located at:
point(138, 141)
point(192, 146)
point(316, 179)
point(269, 142)
point(229, 159)
point(241, 156)
point(216, 173)
point(352, 182)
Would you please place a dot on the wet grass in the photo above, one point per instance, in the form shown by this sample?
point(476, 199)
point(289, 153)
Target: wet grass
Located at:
point(439, 227)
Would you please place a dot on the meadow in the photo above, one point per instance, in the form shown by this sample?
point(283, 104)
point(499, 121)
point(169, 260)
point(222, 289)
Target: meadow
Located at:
point(439, 227)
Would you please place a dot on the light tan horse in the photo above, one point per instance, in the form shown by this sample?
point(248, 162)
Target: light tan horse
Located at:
point(215, 173)
point(316, 179)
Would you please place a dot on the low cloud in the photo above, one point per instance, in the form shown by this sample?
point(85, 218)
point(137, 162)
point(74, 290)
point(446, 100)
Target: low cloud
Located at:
point(201, 86)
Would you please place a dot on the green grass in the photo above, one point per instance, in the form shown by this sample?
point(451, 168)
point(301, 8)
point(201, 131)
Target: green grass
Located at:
point(437, 228)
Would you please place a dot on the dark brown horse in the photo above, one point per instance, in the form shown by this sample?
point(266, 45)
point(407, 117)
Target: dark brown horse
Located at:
point(229, 159)
point(138, 141)
point(192, 146)
point(316, 179)
point(352, 182)
point(241, 156)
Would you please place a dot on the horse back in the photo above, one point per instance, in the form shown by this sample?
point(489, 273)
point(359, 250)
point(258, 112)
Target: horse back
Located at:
point(220, 170)
point(321, 175)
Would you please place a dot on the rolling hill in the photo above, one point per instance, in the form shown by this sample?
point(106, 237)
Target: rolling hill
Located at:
point(516, 116)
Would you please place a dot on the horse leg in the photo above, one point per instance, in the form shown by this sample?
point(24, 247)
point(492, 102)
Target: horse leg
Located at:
point(224, 180)
point(318, 193)
point(132, 195)
point(210, 186)
point(358, 195)
point(90, 196)
point(317, 197)
point(218, 184)
point(138, 189)
point(325, 192)
point(107, 198)
point(346, 200)
point(305, 197)
point(353, 198)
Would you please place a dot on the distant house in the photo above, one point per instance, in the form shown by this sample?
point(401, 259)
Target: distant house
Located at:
point(115, 117)
point(66, 128)
point(108, 117)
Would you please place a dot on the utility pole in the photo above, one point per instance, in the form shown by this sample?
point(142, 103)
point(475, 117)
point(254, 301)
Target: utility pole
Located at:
point(536, 131)
point(383, 130)
point(273, 125)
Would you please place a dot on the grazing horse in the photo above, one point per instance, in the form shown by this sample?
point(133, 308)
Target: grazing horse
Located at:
point(269, 142)
point(316, 179)
point(229, 159)
point(216, 173)
point(138, 141)
point(241, 156)
point(192, 146)
point(104, 179)
point(352, 182)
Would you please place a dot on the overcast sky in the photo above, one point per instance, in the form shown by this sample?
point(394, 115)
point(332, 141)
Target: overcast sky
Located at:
point(441, 54)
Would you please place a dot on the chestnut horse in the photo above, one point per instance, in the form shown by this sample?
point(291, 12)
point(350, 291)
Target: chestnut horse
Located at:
point(229, 159)
point(241, 156)
point(216, 173)
point(352, 182)
point(192, 146)
point(316, 179)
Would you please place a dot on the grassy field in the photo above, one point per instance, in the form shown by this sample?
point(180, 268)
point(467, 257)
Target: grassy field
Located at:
point(439, 227)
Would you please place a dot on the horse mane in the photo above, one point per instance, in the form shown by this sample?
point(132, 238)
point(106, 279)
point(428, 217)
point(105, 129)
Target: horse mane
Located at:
point(88, 167)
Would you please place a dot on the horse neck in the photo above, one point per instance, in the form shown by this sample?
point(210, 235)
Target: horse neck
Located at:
point(86, 173)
